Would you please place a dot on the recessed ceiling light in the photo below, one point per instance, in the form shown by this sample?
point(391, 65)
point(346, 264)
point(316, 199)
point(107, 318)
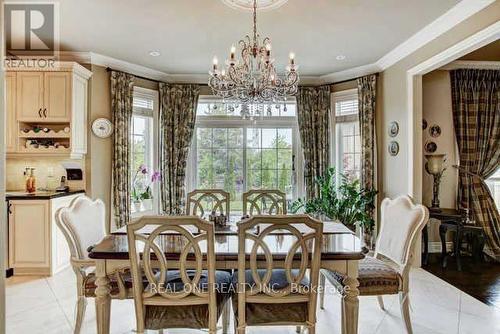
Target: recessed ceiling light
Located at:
point(340, 57)
point(154, 53)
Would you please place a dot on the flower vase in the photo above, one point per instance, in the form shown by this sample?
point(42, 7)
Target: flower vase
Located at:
point(137, 206)
point(147, 204)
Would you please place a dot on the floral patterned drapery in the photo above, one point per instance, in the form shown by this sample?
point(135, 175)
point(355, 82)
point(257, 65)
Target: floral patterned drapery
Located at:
point(177, 120)
point(122, 90)
point(367, 93)
point(313, 109)
point(476, 117)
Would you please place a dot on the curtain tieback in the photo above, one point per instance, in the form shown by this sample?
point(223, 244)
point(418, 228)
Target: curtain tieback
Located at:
point(465, 171)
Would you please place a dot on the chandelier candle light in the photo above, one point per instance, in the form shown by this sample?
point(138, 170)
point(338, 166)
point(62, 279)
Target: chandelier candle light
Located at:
point(253, 79)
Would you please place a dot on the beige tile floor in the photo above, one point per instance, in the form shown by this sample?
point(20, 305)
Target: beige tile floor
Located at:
point(46, 306)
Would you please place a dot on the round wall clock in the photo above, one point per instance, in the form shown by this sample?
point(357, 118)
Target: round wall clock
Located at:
point(102, 128)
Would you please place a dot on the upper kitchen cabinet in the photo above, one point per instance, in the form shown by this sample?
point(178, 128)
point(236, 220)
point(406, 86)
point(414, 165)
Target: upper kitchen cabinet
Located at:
point(48, 111)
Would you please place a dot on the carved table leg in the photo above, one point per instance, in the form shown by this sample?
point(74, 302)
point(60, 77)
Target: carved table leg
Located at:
point(103, 298)
point(350, 301)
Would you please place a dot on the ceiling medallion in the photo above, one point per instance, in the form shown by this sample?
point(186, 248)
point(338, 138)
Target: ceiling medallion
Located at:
point(252, 78)
point(248, 4)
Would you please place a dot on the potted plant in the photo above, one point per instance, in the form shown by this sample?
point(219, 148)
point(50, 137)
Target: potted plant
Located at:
point(136, 193)
point(147, 195)
point(346, 202)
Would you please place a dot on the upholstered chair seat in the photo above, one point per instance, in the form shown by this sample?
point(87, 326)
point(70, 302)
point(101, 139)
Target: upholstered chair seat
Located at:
point(191, 316)
point(375, 277)
point(261, 314)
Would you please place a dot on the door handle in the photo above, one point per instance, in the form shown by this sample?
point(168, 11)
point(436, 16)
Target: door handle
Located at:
point(10, 208)
point(40, 112)
point(45, 112)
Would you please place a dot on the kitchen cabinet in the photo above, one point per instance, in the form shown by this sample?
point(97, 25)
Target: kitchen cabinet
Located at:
point(36, 245)
point(55, 98)
point(29, 92)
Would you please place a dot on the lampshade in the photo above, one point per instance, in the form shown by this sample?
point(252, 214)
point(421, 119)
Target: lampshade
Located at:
point(435, 163)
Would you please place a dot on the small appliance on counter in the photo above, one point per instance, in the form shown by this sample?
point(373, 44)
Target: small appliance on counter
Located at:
point(63, 188)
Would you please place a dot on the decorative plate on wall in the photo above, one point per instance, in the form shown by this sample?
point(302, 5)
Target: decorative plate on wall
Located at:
point(393, 129)
point(424, 124)
point(435, 131)
point(102, 127)
point(430, 146)
point(393, 148)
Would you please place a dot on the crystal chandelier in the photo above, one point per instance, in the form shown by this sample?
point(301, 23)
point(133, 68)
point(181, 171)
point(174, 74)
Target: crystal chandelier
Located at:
point(253, 79)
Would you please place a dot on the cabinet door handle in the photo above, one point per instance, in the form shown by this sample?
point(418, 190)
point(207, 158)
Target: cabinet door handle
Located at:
point(45, 112)
point(40, 112)
point(10, 209)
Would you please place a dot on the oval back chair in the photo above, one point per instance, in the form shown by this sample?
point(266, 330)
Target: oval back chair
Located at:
point(180, 290)
point(279, 293)
point(264, 201)
point(203, 201)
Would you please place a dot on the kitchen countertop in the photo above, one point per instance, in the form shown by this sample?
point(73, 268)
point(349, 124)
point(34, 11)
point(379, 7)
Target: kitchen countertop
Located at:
point(39, 195)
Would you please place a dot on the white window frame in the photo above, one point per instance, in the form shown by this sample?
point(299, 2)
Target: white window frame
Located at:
point(154, 96)
point(336, 150)
point(221, 121)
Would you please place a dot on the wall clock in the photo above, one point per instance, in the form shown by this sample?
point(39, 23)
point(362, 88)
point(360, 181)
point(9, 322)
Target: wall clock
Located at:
point(102, 128)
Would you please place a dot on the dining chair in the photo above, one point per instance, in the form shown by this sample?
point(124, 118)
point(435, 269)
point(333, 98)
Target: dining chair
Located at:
point(264, 201)
point(83, 224)
point(185, 292)
point(202, 201)
point(280, 294)
point(387, 271)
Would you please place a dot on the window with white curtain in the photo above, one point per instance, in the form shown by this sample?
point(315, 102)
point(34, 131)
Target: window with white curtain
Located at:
point(345, 140)
point(144, 146)
point(236, 154)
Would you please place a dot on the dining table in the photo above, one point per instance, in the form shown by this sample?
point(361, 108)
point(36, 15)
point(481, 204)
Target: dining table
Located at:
point(341, 252)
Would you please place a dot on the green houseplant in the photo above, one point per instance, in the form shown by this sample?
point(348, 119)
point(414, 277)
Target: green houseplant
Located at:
point(346, 202)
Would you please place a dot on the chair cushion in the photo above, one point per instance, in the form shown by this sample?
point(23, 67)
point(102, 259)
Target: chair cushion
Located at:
point(271, 314)
point(375, 278)
point(190, 316)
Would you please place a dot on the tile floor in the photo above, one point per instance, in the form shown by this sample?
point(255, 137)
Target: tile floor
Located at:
point(46, 306)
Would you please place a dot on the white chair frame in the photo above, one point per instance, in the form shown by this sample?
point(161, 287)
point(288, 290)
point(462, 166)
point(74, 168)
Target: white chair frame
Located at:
point(400, 262)
point(251, 199)
point(80, 263)
point(190, 296)
point(261, 292)
point(221, 198)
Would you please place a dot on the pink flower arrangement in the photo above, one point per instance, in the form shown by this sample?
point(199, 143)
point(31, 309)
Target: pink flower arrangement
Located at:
point(137, 195)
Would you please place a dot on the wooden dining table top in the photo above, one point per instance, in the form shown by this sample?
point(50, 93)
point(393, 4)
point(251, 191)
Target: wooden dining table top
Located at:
point(339, 243)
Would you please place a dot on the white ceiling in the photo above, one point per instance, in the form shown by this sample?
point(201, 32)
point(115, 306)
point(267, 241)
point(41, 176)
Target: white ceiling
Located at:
point(188, 33)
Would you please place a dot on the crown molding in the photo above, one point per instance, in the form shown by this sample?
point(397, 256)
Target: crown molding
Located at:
point(473, 64)
point(350, 73)
point(458, 13)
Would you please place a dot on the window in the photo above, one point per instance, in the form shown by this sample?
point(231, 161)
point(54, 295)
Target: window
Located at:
point(345, 139)
point(494, 184)
point(143, 144)
point(237, 154)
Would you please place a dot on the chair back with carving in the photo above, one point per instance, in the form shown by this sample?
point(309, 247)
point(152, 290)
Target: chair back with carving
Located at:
point(299, 239)
point(201, 202)
point(264, 201)
point(175, 234)
point(401, 221)
point(83, 224)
